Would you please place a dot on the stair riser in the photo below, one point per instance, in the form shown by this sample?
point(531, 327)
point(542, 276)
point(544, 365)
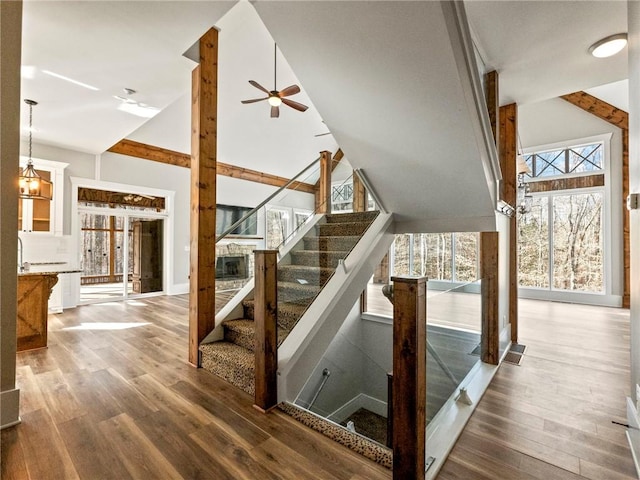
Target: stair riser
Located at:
point(313, 277)
point(287, 318)
point(344, 244)
point(244, 340)
point(316, 259)
point(352, 217)
point(334, 229)
point(243, 379)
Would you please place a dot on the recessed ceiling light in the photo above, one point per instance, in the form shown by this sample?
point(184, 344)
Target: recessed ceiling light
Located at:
point(70, 80)
point(608, 46)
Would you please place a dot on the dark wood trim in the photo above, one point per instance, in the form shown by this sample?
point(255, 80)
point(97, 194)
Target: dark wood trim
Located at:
point(359, 194)
point(607, 112)
point(323, 200)
point(493, 106)
point(266, 341)
point(171, 157)
point(409, 377)
point(204, 113)
point(389, 442)
point(490, 341)
point(567, 183)
point(508, 152)
point(108, 197)
point(599, 108)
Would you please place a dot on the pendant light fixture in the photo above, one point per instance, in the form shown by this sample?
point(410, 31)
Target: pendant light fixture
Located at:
point(30, 184)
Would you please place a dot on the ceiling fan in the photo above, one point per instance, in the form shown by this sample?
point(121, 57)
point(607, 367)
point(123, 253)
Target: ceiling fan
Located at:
point(275, 97)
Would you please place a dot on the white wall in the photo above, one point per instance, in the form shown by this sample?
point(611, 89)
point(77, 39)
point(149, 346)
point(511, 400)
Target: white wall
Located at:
point(115, 168)
point(556, 120)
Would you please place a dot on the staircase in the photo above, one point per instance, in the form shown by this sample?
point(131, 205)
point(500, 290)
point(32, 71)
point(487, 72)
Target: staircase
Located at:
point(299, 282)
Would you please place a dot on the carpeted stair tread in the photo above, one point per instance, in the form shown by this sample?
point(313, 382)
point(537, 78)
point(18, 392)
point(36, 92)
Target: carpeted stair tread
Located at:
point(240, 332)
point(331, 243)
point(243, 332)
point(288, 313)
point(342, 229)
point(311, 274)
point(352, 217)
point(324, 259)
point(231, 362)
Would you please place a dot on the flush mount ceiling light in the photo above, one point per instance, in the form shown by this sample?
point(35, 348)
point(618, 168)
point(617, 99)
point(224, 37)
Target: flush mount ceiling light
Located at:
point(608, 46)
point(139, 109)
point(31, 185)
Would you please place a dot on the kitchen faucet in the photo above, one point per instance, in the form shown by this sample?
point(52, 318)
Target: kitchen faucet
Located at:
point(20, 250)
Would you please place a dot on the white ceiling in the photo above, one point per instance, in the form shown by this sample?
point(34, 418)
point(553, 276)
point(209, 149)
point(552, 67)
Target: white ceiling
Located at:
point(540, 48)
point(381, 73)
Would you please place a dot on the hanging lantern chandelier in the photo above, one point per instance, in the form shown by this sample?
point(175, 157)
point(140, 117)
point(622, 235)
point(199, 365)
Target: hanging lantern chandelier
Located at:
point(31, 185)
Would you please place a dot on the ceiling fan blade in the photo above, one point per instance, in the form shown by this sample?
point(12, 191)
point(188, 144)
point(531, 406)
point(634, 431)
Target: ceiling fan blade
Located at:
point(298, 106)
point(254, 100)
point(275, 112)
point(292, 90)
point(258, 86)
point(322, 134)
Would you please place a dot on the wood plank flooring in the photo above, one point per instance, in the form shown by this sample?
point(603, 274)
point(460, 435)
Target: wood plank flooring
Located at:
point(551, 417)
point(113, 398)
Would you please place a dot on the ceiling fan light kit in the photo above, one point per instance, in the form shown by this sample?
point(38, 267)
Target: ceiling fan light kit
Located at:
point(276, 97)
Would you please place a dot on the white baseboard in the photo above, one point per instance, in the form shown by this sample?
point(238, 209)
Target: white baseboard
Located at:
point(178, 289)
point(9, 408)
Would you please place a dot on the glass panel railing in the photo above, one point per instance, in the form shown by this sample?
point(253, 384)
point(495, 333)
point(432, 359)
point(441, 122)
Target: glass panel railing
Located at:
point(263, 227)
point(454, 319)
point(349, 384)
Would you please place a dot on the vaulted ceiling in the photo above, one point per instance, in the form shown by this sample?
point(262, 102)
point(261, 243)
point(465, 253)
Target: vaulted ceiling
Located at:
point(383, 75)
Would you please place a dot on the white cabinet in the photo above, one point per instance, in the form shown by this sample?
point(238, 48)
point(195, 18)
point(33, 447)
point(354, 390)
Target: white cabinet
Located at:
point(43, 216)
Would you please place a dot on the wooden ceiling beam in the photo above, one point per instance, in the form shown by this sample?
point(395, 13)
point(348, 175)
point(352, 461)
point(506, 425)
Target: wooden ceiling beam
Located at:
point(599, 108)
point(171, 157)
point(619, 118)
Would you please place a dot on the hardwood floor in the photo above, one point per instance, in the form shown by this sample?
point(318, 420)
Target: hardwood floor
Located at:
point(551, 417)
point(113, 398)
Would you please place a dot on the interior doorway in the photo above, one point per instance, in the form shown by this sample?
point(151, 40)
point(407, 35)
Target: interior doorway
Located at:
point(121, 255)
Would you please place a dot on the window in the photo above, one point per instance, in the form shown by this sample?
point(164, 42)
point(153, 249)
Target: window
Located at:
point(561, 241)
point(342, 197)
point(565, 161)
point(277, 227)
point(449, 257)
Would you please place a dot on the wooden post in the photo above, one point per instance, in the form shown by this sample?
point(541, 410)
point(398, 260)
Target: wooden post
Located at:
point(204, 113)
point(323, 201)
point(265, 318)
point(493, 105)
point(359, 194)
point(489, 346)
point(409, 377)
point(389, 410)
point(508, 160)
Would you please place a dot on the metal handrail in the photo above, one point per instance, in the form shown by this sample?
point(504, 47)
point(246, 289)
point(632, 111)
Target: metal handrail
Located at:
point(325, 376)
point(264, 202)
point(372, 192)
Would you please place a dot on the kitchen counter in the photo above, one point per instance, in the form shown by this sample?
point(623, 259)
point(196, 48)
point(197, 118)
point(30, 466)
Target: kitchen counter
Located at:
point(34, 290)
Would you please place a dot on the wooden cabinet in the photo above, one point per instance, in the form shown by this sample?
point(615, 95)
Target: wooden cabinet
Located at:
point(147, 256)
point(34, 290)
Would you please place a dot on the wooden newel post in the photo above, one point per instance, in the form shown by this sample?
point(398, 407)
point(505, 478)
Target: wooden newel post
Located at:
point(409, 389)
point(324, 185)
point(265, 317)
point(490, 341)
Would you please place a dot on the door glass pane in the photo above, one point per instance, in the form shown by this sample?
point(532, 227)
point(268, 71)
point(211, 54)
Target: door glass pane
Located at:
point(577, 242)
point(466, 257)
point(533, 245)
